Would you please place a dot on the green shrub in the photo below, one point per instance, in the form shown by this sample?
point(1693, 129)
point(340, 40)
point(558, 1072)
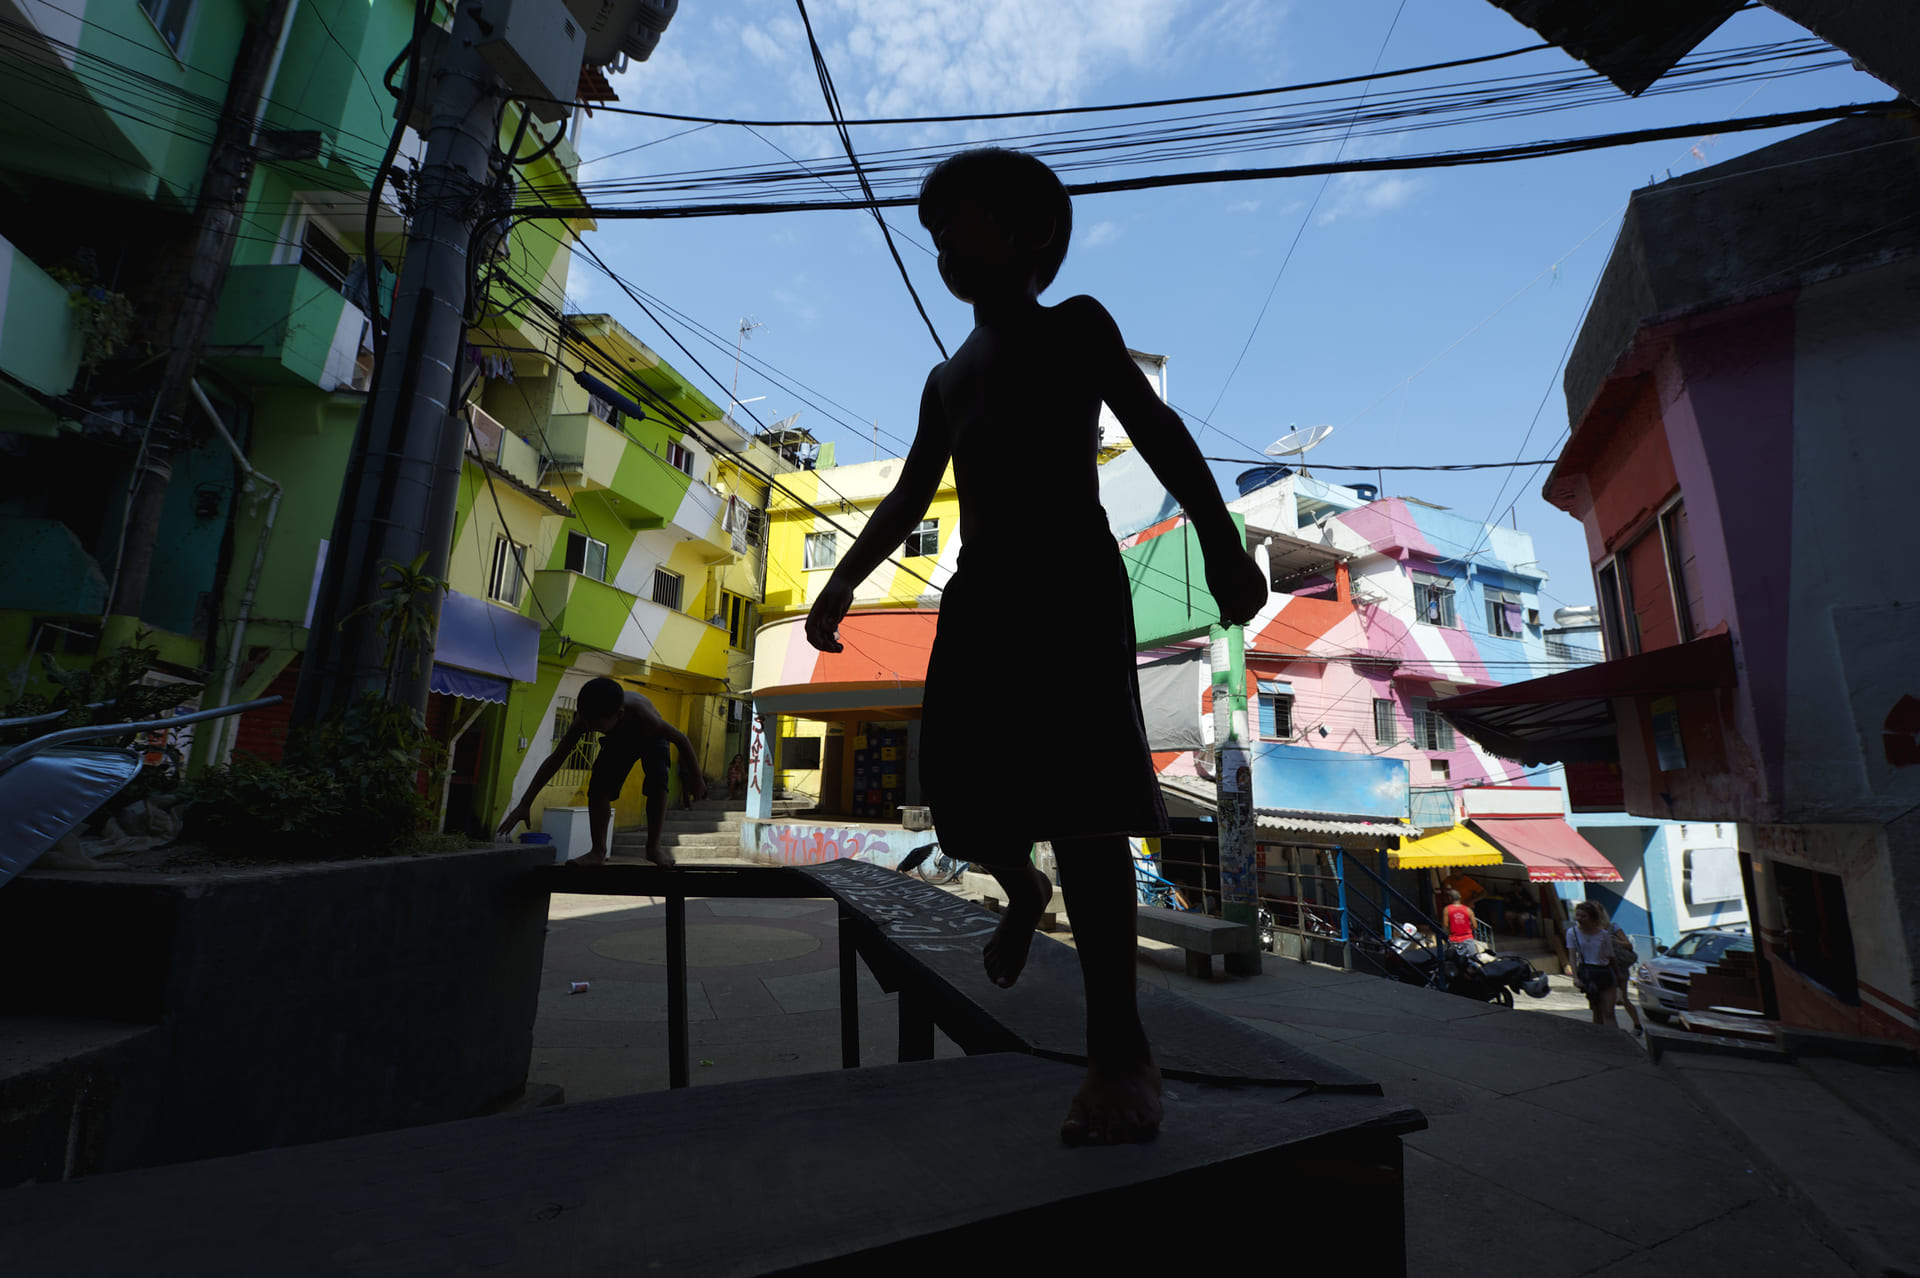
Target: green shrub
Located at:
point(344, 789)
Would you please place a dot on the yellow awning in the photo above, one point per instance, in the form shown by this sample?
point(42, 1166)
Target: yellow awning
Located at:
point(1457, 846)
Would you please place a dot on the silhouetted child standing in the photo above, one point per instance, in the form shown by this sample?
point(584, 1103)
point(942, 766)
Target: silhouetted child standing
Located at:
point(1017, 411)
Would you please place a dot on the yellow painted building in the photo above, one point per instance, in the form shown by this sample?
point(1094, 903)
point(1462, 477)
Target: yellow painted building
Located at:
point(803, 548)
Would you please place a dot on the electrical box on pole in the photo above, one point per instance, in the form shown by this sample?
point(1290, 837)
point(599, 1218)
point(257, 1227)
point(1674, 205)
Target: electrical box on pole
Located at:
point(536, 48)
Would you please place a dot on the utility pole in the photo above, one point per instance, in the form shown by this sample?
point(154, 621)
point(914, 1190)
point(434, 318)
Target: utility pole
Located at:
point(403, 478)
point(1234, 828)
point(216, 225)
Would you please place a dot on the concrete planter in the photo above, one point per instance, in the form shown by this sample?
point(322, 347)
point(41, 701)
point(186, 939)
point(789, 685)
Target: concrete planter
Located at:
point(268, 1005)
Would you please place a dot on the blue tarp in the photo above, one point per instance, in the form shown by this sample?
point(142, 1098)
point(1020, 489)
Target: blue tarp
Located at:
point(486, 639)
point(450, 682)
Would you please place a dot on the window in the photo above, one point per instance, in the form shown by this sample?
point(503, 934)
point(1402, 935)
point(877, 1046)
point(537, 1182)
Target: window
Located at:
point(1276, 709)
point(1433, 599)
point(1503, 613)
point(321, 253)
point(509, 572)
point(604, 411)
point(739, 619)
point(1438, 770)
point(924, 539)
point(586, 556)
point(170, 17)
point(800, 754)
point(666, 588)
point(680, 457)
point(822, 550)
point(1386, 730)
point(1430, 731)
point(1682, 574)
point(573, 772)
point(756, 526)
point(1616, 613)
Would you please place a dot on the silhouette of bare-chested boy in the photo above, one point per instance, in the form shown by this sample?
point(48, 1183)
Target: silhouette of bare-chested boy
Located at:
point(1017, 411)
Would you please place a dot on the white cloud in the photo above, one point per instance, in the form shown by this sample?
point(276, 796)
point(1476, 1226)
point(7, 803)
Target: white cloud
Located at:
point(902, 57)
point(1243, 206)
point(1099, 233)
point(1365, 194)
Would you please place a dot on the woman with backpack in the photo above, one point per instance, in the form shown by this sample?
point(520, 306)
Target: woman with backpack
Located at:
point(1592, 963)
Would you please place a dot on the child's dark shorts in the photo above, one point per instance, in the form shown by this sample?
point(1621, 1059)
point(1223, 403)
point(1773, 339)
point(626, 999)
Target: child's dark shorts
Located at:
point(611, 766)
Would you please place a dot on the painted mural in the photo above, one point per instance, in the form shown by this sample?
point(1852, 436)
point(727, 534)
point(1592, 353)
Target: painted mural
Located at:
point(807, 844)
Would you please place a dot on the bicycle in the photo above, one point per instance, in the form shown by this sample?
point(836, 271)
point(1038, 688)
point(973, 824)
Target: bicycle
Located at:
point(934, 866)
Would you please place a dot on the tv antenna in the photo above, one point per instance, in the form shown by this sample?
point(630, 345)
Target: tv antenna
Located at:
point(747, 325)
point(1297, 443)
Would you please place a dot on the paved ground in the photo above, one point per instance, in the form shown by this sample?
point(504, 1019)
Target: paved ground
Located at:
point(1556, 1147)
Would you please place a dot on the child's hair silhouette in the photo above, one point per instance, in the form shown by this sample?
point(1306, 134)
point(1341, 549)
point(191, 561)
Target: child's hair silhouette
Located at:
point(1020, 194)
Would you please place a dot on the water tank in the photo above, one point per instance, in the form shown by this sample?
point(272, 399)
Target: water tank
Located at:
point(1259, 477)
point(1366, 492)
point(1583, 617)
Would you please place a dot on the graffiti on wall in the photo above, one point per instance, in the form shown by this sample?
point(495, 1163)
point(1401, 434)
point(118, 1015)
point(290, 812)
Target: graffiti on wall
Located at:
point(753, 760)
point(815, 844)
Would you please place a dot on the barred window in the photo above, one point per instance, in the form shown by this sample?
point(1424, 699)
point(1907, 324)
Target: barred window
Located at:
point(1386, 730)
point(822, 550)
point(1430, 731)
point(573, 772)
point(1503, 613)
point(1276, 709)
point(666, 588)
point(1433, 600)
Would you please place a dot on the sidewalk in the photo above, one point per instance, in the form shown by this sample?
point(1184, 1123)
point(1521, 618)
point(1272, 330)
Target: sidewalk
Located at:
point(1556, 1147)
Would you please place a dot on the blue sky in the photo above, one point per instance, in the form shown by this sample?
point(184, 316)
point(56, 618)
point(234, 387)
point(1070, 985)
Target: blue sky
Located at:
point(1396, 319)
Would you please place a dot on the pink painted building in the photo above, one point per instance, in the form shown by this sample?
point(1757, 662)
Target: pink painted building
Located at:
point(1744, 448)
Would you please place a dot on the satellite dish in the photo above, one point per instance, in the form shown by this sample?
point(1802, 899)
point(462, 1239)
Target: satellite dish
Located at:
point(1298, 441)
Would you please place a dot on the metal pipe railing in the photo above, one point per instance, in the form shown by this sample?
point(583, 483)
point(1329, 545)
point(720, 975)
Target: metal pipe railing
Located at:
point(26, 750)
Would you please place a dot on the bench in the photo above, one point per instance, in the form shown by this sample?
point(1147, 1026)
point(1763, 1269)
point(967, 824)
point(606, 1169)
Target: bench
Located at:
point(1202, 937)
point(924, 943)
point(886, 1170)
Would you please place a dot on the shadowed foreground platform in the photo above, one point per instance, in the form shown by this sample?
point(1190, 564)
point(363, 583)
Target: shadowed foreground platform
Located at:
point(851, 1170)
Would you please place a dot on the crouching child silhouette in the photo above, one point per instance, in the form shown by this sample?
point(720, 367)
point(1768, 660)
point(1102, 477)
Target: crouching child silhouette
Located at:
point(1016, 410)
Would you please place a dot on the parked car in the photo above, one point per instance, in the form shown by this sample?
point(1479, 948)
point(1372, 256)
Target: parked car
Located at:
point(1662, 981)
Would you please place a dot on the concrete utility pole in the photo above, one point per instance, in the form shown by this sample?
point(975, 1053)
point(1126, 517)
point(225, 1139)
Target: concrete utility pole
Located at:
point(223, 189)
point(403, 478)
point(1234, 828)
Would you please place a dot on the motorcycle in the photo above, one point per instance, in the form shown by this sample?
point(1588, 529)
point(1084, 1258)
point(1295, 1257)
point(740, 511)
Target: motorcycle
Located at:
point(1486, 978)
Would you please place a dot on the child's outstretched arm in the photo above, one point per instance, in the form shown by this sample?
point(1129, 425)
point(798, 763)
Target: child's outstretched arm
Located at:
point(892, 519)
point(1237, 583)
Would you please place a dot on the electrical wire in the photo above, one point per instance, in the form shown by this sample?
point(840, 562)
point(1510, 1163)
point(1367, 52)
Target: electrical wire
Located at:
point(1428, 160)
point(846, 142)
point(1307, 217)
point(979, 117)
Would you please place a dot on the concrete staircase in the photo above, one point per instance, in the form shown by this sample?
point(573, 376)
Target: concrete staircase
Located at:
point(710, 830)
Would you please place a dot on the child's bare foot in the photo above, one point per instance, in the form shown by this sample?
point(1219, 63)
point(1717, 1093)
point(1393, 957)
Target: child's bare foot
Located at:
point(591, 858)
point(1116, 1105)
point(660, 857)
point(1006, 950)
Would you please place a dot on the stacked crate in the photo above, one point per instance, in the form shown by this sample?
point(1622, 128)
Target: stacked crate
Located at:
point(879, 773)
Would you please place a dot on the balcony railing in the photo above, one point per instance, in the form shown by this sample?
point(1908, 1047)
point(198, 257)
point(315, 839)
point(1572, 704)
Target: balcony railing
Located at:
point(1560, 651)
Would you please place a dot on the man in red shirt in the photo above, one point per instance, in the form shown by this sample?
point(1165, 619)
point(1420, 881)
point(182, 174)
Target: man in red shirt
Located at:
point(1459, 920)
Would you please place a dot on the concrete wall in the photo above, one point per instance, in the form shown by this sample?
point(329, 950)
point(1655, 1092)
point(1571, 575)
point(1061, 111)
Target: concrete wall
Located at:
point(293, 1004)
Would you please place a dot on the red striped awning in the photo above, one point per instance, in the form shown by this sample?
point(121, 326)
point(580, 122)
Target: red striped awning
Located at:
point(1552, 850)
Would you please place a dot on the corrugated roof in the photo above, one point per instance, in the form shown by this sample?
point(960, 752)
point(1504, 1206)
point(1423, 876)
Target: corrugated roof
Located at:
point(541, 496)
point(1325, 825)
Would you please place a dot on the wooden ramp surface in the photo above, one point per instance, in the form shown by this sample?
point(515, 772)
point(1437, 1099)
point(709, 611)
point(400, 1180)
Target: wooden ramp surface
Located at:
point(855, 1171)
point(912, 927)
